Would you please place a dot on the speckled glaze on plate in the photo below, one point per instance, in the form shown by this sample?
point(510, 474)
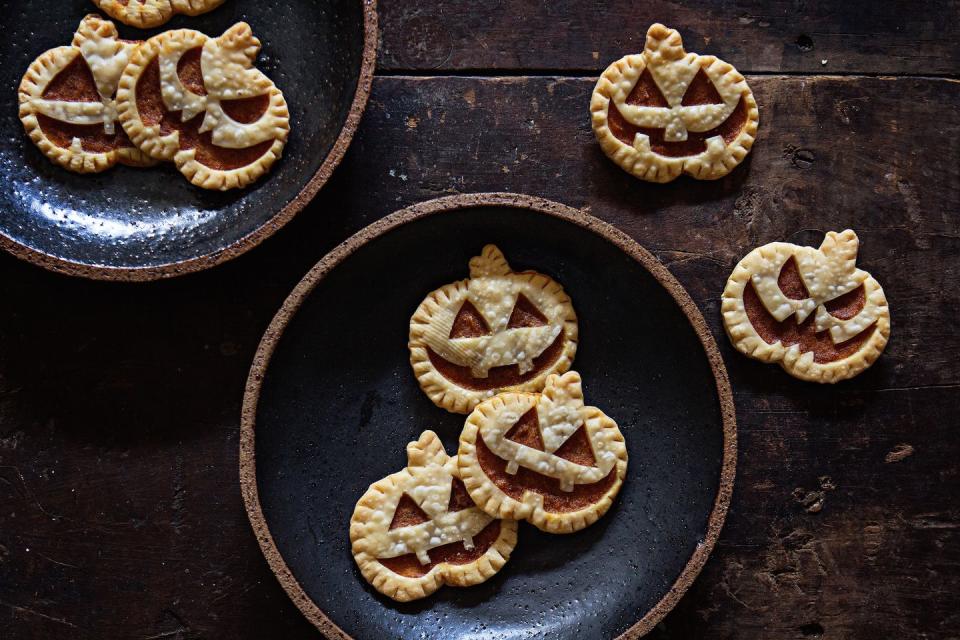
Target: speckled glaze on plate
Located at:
point(331, 403)
point(135, 224)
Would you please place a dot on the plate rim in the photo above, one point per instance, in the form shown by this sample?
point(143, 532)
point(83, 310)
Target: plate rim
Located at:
point(271, 337)
point(361, 97)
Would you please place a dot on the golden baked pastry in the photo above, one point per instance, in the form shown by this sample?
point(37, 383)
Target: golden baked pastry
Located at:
point(544, 458)
point(146, 14)
point(810, 310)
point(498, 330)
point(416, 530)
point(199, 102)
point(664, 112)
point(67, 101)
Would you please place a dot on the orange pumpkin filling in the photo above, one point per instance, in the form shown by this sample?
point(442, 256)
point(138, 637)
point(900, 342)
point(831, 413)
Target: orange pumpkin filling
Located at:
point(75, 83)
point(409, 513)
point(153, 112)
point(577, 449)
point(805, 334)
point(700, 91)
point(454, 553)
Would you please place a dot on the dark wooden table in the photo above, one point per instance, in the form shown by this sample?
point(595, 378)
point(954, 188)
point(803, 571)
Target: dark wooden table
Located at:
point(120, 509)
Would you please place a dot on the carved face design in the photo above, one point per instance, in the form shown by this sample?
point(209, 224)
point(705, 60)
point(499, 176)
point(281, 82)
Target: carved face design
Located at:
point(811, 310)
point(418, 529)
point(497, 330)
point(666, 111)
point(199, 102)
point(545, 458)
point(67, 101)
point(146, 14)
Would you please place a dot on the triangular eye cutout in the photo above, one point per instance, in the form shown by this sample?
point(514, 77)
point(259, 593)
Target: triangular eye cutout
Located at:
point(701, 91)
point(408, 513)
point(469, 323)
point(577, 449)
point(525, 314)
point(646, 93)
point(790, 282)
point(527, 431)
point(459, 498)
point(73, 84)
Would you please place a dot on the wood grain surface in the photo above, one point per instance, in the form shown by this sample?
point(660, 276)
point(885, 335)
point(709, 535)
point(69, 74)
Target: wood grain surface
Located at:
point(120, 511)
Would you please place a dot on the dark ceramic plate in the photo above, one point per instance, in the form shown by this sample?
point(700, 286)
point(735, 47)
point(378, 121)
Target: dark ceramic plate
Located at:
point(137, 224)
point(331, 403)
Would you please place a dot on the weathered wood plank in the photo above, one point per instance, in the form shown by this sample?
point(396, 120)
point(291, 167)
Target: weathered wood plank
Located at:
point(755, 36)
point(119, 404)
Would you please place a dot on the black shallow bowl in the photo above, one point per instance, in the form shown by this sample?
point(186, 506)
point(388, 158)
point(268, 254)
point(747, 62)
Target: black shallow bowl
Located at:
point(135, 224)
point(331, 403)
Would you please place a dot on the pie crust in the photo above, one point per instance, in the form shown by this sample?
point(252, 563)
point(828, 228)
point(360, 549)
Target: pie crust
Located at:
point(413, 531)
point(664, 112)
point(199, 102)
point(67, 101)
point(519, 459)
point(146, 14)
point(498, 330)
point(842, 320)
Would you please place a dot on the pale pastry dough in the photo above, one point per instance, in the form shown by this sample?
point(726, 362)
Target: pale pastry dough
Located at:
point(97, 50)
point(827, 273)
point(146, 14)
point(723, 128)
point(544, 342)
point(427, 482)
point(517, 490)
point(227, 75)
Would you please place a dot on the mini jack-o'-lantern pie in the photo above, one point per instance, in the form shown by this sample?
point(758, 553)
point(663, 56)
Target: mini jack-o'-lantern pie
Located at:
point(498, 330)
point(545, 458)
point(418, 529)
point(67, 101)
point(811, 310)
point(664, 112)
point(199, 102)
point(146, 14)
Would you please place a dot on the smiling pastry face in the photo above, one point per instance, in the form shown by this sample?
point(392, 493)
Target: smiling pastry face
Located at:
point(201, 103)
point(67, 101)
point(495, 331)
point(665, 112)
point(418, 529)
point(811, 310)
point(545, 458)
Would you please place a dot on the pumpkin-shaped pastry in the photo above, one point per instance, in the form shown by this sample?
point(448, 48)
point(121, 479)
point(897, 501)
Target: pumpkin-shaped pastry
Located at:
point(199, 102)
point(146, 14)
point(418, 529)
point(498, 330)
point(810, 310)
point(664, 112)
point(67, 101)
point(545, 458)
